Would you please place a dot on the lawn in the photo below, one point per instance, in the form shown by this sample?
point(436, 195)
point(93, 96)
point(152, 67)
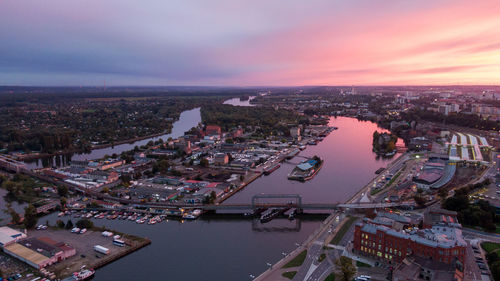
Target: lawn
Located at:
point(362, 264)
point(330, 277)
point(490, 246)
point(297, 261)
point(289, 274)
point(343, 230)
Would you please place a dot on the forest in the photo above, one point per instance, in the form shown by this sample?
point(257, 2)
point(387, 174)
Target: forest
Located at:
point(77, 124)
point(268, 120)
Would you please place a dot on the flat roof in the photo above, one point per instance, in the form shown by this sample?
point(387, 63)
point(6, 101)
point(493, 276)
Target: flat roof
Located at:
point(26, 253)
point(10, 232)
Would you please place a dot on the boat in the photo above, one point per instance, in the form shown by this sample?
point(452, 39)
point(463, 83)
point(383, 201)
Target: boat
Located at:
point(272, 213)
point(306, 170)
point(84, 274)
point(302, 147)
point(268, 215)
point(271, 169)
point(312, 142)
point(292, 153)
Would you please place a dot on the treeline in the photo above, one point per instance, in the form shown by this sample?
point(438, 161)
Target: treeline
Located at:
point(76, 125)
point(480, 213)
point(460, 119)
point(267, 119)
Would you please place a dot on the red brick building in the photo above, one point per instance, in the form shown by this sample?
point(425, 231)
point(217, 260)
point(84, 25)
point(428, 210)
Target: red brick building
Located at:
point(213, 130)
point(440, 243)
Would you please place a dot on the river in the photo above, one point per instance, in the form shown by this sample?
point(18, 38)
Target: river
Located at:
point(232, 249)
point(238, 102)
point(187, 120)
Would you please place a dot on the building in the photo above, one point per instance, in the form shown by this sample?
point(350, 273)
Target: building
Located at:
point(437, 216)
point(111, 163)
point(213, 130)
point(40, 252)
point(295, 132)
point(221, 159)
point(9, 236)
point(439, 243)
point(420, 144)
point(417, 268)
point(435, 174)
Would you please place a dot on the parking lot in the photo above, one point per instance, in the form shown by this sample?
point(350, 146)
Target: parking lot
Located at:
point(84, 245)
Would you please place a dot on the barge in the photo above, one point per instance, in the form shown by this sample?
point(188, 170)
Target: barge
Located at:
point(271, 169)
point(306, 170)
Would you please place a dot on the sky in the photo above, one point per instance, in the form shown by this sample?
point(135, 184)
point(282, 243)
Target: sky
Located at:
point(249, 42)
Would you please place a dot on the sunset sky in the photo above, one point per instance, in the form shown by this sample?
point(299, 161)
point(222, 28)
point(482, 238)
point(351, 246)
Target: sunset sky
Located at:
point(249, 43)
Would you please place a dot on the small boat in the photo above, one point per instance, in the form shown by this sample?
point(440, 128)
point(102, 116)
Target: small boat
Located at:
point(271, 169)
point(84, 274)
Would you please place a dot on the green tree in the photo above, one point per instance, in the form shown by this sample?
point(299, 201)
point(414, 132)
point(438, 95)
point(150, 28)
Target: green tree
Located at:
point(62, 190)
point(420, 200)
point(204, 162)
point(16, 219)
point(63, 201)
point(84, 223)
point(495, 270)
point(442, 193)
point(69, 224)
point(30, 216)
point(60, 223)
point(346, 268)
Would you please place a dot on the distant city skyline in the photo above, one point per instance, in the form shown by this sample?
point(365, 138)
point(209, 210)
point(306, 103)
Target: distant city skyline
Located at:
point(249, 43)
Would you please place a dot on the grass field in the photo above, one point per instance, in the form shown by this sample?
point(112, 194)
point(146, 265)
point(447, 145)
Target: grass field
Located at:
point(330, 277)
point(342, 231)
point(297, 261)
point(289, 274)
point(490, 246)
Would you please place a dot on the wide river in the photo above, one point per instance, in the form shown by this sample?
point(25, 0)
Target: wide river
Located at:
point(226, 249)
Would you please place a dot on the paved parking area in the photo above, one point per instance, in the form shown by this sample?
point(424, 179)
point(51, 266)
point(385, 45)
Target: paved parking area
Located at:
point(84, 245)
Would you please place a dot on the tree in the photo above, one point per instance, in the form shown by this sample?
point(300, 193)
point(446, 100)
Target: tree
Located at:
point(346, 268)
point(16, 219)
point(69, 224)
point(213, 196)
point(63, 201)
point(84, 223)
point(495, 270)
point(204, 162)
point(442, 193)
point(420, 200)
point(62, 191)
point(30, 217)
point(60, 223)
